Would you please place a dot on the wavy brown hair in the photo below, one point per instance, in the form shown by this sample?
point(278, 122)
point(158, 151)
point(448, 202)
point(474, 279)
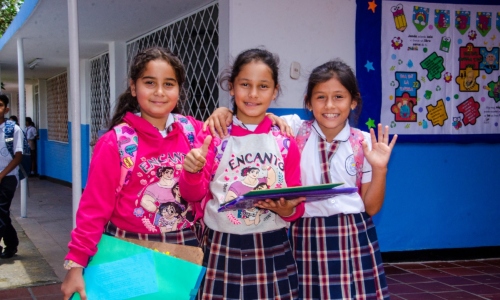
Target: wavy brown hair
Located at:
point(128, 103)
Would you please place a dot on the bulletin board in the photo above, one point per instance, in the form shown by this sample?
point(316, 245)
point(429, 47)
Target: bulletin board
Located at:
point(430, 70)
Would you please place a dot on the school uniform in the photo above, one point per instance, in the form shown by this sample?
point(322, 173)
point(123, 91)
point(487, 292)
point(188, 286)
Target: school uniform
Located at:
point(8, 187)
point(335, 243)
point(247, 252)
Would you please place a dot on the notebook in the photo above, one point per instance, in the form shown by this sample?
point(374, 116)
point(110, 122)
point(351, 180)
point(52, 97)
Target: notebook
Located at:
point(311, 192)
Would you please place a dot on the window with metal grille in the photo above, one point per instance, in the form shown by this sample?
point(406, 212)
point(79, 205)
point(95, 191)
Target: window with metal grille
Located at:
point(99, 96)
point(195, 39)
point(57, 108)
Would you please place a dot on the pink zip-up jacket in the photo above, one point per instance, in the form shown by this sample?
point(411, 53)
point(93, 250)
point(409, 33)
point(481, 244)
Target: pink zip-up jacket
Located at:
point(195, 186)
point(133, 209)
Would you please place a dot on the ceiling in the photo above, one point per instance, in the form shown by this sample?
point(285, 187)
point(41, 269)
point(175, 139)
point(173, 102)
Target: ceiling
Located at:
point(45, 31)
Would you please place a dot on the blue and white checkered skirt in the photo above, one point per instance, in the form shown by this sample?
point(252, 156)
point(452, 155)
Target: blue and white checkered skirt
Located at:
point(338, 257)
point(251, 266)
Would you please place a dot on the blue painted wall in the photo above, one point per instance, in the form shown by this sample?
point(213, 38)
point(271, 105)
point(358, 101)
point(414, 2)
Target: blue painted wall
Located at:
point(54, 158)
point(438, 196)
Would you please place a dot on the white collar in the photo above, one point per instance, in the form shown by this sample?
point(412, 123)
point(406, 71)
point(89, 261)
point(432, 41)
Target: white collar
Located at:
point(342, 136)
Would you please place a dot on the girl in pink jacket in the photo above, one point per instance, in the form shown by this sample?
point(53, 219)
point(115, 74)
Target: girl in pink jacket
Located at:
point(135, 166)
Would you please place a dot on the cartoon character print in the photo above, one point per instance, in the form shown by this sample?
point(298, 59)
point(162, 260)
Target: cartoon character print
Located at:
point(160, 205)
point(251, 181)
point(159, 191)
point(187, 209)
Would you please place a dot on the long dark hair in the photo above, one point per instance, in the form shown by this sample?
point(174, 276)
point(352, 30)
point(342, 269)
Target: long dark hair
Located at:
point(344, 74)
point(226, 80)
point(128, 103)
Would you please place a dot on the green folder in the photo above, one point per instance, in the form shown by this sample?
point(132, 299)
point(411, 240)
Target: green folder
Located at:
point(123, 270)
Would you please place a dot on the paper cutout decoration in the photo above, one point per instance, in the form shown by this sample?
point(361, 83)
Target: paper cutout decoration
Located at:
point(370, 123)
point(462, 21)
point(420, 17)
point(372, 5)
point(483, 22)
point(434, 66)
point(437, 114)
point(493, 89)
point(369, 66)
point(441, 20)
point(399, 17)
point(470, 109)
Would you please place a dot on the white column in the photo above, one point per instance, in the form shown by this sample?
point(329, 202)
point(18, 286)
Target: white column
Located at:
point(224, 48)
point(22, 116)
point(74, 78)
point(117, 72)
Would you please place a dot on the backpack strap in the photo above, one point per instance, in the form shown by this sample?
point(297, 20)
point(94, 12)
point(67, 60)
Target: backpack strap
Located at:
point(9, 136)
point(25, 163)
point(356, 138)
point(283, 141)
point(303, 134)
point(127, 141)
point(187, 128)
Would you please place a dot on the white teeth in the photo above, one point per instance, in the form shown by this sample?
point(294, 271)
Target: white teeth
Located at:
point(250, 104)
point(331, 115)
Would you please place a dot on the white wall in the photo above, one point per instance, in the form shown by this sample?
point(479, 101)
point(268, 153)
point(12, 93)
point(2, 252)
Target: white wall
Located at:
point(309, 32)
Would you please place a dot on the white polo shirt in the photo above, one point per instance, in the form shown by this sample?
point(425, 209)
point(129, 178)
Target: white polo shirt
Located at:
point(5, 157)
point(341, 170)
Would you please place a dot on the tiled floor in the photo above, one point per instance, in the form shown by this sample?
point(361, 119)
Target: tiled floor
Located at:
point(472, 279)
point(468, 280)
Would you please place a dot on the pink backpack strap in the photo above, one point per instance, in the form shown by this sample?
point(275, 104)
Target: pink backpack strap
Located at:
point(303, 134)
point(355, 138)
point(283, 141)
point(187, 128)
point(127, 141)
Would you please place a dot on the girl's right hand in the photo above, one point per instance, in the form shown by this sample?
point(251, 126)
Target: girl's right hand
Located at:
point(282, 207)
point(73, 283)
point(218, 121)
point(282, 124)
point(196, 158)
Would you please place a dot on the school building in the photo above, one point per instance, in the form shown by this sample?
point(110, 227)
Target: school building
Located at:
point(441, 196)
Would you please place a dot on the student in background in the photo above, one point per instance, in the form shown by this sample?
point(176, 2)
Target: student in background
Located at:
point(8, 179)
point(15, 119)
point(31, 136)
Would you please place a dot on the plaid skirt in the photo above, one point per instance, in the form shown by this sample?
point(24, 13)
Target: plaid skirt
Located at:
point(188, 236)
point(338, 257)
point(251, 266)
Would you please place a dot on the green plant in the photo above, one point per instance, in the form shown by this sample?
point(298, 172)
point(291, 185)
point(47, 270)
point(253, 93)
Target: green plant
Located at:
point(8, 10)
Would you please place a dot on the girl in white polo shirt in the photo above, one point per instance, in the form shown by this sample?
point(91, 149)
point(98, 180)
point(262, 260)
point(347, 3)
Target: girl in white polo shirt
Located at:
point(335, 243)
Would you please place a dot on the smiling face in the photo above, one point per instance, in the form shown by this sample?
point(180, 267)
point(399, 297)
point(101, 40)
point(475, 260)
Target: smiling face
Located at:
point(168, 174)
point(169, 212)
point(157, 92)
point(253, 90)
point(331, 104)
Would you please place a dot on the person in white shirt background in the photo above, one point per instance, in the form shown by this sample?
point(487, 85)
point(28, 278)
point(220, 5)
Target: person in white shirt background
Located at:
point(31, 135)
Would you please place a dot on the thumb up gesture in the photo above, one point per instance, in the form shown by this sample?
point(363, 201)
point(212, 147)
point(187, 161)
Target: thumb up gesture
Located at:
point(196, 158)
